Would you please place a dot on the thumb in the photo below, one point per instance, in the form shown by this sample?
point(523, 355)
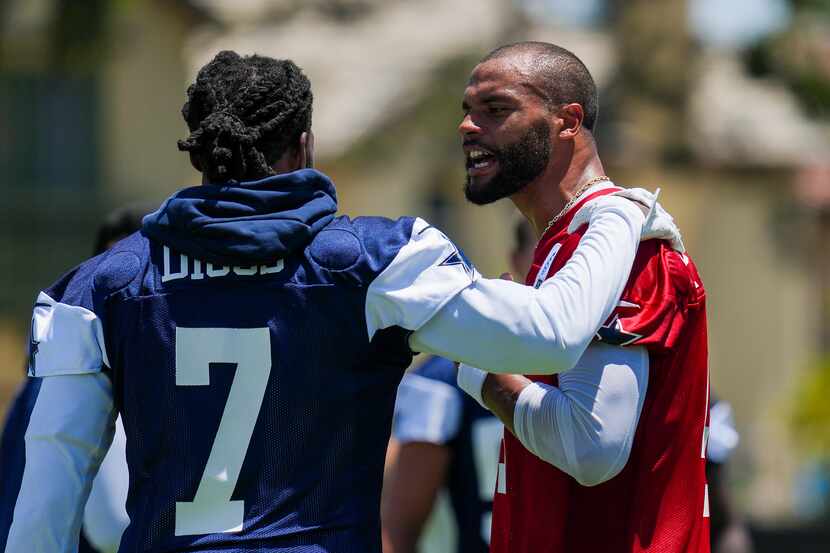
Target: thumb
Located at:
point(506, 276)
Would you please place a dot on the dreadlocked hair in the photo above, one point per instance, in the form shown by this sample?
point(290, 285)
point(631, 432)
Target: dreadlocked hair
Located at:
point(243, 113)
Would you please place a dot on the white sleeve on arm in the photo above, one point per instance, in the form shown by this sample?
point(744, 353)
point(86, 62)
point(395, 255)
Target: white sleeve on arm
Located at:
point(425, 274)
point(586, 426)
point(69, 431)
point(426, 410)
point(506, 327)
point(69, 339)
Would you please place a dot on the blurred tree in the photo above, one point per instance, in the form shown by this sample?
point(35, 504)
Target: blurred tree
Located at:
point(811, 4)
point(811, 414)
point(800, 56)
point(61, 36)
point(78, 34)
point(656, 68)
point(435, 115)
point(344, 10)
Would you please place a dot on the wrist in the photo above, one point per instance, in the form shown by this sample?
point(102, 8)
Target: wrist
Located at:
point(471, 380)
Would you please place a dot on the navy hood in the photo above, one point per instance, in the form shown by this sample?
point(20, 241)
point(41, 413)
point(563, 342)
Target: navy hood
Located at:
point(245, 223)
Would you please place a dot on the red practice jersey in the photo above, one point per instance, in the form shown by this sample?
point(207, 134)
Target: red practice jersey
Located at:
point(658, 503)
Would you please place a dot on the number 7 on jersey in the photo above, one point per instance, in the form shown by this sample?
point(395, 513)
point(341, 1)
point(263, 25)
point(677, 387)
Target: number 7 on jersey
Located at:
point(212, 510)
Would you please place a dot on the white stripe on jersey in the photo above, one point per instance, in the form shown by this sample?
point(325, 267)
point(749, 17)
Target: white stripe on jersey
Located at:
point(425, 274)
point(78, 346)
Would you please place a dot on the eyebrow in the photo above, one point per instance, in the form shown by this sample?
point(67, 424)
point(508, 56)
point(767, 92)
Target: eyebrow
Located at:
point(489, 98)
point(496, 97)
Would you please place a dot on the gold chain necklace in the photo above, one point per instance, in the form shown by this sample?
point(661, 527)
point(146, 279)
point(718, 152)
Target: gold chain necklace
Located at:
point(573, 200)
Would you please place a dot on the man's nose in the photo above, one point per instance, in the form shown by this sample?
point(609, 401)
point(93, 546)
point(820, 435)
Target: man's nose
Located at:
point(468, 126)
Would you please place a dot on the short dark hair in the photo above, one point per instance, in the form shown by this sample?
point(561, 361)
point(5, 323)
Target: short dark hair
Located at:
point(563, 77)
point(243, 113)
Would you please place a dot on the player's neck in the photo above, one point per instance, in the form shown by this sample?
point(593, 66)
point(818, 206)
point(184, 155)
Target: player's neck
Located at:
point(546, 196)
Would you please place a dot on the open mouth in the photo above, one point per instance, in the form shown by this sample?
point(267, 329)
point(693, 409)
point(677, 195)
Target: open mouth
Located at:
point(480, 162)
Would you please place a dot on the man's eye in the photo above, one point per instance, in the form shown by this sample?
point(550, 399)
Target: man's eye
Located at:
point(498, 110)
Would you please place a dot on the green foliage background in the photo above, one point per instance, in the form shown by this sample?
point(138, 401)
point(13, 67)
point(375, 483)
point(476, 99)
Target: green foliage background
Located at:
point(811, 412)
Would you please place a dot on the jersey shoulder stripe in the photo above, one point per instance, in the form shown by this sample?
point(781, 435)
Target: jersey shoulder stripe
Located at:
point(425, 273)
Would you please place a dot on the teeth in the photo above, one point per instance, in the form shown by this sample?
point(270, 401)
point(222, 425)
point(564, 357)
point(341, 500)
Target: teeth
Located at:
point(475, 154)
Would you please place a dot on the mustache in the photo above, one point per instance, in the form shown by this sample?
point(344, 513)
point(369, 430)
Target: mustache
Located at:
point(466, 143)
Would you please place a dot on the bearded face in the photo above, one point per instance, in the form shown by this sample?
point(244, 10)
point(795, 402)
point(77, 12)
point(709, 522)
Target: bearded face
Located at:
point(496, 172)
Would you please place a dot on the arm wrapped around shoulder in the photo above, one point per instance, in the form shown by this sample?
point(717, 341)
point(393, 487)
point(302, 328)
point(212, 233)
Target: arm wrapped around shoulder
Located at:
point(505, 327)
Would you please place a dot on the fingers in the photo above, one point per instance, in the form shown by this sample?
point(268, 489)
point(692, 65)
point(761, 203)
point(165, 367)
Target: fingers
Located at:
point(646, 209)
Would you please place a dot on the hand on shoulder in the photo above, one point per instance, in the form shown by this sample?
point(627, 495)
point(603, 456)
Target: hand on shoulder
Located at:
point(658, 224)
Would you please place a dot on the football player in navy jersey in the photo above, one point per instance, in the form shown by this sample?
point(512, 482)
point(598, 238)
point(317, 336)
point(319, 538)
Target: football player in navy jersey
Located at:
point(105, 516)
point(442, 439)
point(729, 532)
point(252, 341)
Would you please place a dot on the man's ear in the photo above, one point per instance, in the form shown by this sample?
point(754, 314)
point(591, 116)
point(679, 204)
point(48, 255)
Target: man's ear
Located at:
point(306, 150)
point(298, 156)
point(572, 116)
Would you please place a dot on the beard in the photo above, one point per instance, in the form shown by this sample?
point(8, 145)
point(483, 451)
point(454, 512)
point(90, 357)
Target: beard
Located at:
point(519, 164)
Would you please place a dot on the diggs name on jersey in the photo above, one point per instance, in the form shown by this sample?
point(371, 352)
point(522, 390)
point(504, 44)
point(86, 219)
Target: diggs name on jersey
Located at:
point(199, 269)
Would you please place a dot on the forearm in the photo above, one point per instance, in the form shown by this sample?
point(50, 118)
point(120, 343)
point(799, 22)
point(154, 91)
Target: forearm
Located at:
point(397, 543)
point(69, 431)
point(586, 425)
point(545, 330)
point(500, 393)
point(410, 487)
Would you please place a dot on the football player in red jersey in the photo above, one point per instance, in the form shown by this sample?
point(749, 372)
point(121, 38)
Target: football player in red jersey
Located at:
point(607, 455)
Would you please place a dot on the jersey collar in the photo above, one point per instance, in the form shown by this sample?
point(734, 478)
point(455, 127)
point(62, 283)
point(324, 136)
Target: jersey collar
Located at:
point(600, 189)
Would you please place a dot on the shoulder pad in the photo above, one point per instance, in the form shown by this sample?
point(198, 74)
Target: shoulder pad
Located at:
point(335, 249)
point(120, 266)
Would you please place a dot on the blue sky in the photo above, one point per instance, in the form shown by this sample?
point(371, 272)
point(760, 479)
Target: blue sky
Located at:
point(719, 23)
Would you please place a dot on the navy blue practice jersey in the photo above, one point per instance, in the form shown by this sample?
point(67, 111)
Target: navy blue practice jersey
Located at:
point(432, 408)
point(256, 400)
